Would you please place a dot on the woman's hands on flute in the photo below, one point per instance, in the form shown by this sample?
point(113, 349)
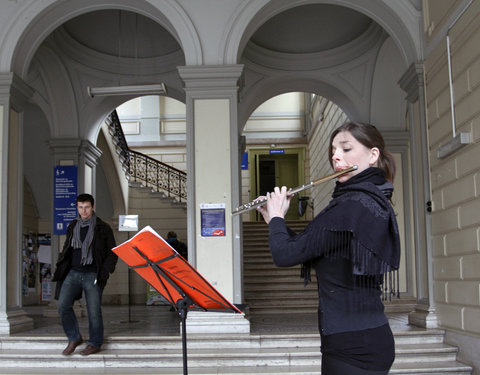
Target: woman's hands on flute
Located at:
point(277, 204)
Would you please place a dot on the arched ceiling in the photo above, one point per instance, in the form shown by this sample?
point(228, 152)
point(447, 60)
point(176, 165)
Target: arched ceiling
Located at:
point(330, 50)
point(122, 34)
point(311, 28)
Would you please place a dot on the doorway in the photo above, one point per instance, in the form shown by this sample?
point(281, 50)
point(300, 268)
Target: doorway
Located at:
point(276, 168)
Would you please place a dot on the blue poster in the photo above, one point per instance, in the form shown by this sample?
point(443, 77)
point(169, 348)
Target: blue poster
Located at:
point(244, 164)
point(65, 189)
point(212, 219)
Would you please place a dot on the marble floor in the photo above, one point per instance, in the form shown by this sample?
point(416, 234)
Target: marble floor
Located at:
point(159, 320)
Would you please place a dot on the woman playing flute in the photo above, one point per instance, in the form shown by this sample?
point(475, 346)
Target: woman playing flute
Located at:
point(354, 247)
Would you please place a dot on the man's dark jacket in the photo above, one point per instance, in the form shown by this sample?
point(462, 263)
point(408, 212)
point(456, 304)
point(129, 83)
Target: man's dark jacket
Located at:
point(103, 256)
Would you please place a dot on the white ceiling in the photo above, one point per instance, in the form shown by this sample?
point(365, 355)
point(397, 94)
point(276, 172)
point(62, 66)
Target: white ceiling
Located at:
point(303, 29)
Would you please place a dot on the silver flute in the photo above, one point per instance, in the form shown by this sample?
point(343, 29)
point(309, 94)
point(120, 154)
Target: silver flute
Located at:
point(291, 192)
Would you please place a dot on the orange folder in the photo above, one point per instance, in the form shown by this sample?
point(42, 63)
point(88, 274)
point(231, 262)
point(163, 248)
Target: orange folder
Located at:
point(168, 272)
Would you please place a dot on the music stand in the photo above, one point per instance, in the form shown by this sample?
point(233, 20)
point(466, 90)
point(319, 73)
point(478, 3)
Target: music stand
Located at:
point(172, 276)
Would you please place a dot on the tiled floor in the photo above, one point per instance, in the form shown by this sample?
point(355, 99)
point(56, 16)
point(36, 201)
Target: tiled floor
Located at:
point(161, 321)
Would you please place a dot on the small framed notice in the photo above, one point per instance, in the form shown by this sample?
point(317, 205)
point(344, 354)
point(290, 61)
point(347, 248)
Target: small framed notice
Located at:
point(128, 223)
point(212, 217)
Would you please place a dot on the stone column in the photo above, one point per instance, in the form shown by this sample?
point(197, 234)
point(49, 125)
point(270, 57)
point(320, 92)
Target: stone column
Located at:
point(14, 94)
point(412, 82)
point(213, 172)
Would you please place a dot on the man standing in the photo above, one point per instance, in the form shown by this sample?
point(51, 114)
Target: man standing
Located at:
point(84, 265)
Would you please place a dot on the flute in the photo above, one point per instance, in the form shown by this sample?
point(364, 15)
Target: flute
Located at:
point(257, 203)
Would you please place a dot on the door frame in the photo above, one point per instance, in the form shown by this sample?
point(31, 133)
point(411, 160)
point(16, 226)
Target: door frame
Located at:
point(300, 152)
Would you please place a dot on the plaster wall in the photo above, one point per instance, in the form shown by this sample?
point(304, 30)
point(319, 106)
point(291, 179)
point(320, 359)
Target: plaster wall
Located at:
point(455, 178)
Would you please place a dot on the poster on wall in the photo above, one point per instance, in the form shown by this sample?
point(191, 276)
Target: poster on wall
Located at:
point(29, 264)
point(244, 164)
point(44, 260)
point(212, 217)
point(65, 189)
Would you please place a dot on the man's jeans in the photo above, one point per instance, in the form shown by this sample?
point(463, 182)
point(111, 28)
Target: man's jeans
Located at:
point(72, 286)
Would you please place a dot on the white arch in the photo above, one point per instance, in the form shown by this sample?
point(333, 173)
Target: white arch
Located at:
point(31, 24)
point(278, 85)
point(400, 19)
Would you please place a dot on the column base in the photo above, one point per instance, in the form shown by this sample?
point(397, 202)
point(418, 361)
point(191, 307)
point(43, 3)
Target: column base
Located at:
point(15, 321)
point(423, 316)
point(216, 323)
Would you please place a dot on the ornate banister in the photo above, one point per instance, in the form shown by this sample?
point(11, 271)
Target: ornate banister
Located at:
point(158, 176)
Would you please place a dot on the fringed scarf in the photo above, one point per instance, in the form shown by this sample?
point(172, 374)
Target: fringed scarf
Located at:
point(87, 256)
point(359, 224)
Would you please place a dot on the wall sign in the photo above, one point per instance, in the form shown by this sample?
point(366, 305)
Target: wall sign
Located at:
point(277, 151)
point(65, 191)
point(212, 217)
point(244, 164)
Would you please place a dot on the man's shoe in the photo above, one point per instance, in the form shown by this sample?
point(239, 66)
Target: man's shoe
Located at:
point(71, 346)
point(90, 349)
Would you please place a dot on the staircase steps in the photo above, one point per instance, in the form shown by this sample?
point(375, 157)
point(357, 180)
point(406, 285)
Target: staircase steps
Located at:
point(269, 289)
point(418, 351)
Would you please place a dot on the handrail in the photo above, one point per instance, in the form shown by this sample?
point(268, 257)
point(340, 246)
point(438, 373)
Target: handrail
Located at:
point(158, 176)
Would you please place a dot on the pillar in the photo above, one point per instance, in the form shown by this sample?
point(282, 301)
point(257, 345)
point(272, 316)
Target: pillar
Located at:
point(213, 173)
point(413, 83)
point(14, 95)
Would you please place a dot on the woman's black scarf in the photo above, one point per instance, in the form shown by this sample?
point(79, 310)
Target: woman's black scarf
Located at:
point(369, 240)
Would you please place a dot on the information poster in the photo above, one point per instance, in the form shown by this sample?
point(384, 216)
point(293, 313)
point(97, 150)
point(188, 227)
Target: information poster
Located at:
point(65, 193)
point(212, 219)
point(244, 164)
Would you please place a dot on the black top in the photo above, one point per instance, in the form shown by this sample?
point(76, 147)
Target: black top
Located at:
point(353, 244)
point(344, 302)
point(103, 256)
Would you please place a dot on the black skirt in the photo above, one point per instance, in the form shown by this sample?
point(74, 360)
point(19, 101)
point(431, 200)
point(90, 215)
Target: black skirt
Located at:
point(369, 349)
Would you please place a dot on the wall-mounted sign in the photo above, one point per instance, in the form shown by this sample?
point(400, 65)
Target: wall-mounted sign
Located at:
point(277, 151)
point(128, 223)
point(244, 160)
point(212, 217)
point(65, 190)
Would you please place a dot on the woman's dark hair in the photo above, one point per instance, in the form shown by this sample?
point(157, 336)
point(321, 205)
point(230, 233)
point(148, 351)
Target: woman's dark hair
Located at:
point(369, 136)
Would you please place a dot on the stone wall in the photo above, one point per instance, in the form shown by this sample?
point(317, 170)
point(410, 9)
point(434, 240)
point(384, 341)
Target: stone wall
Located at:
point(455, 178)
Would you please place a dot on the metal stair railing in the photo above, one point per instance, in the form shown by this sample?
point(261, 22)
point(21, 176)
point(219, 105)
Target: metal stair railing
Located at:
point(151, 173)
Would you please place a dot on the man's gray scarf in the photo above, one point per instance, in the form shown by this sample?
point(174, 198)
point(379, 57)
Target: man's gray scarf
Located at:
point(87, 257)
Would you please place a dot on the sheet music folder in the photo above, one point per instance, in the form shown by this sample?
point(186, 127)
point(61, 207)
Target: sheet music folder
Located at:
point(169, 273)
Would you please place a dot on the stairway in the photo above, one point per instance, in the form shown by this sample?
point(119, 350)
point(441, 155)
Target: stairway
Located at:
point(279, 343)
point(147, 205)
point(269, 289)
point(419, 352)
point(143, 171)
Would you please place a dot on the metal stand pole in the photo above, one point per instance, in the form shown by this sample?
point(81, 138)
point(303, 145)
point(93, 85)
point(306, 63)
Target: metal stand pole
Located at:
point(182, 307)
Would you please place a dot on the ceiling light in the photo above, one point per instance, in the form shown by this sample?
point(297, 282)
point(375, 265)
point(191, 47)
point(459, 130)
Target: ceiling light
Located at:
point(156, 89)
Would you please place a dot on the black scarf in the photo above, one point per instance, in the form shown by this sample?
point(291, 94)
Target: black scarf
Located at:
point(370, 240)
